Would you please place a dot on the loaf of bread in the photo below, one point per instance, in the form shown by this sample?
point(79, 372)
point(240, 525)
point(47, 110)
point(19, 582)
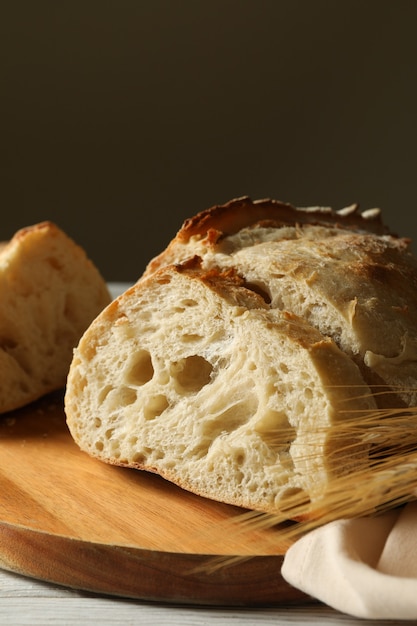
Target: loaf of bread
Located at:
point(194, 376)
point(49, 292)
point(250, 361)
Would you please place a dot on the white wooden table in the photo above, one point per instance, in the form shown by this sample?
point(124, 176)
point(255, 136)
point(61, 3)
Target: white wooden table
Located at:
point(26, 602)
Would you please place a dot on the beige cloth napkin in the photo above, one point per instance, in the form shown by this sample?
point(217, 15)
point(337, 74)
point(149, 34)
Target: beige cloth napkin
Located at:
point(365, 567)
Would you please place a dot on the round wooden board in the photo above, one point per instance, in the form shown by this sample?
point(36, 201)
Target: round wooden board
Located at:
point(70, 519)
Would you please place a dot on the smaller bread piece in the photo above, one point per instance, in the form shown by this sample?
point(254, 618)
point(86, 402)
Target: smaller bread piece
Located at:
point(191, 375)
point(49, 292)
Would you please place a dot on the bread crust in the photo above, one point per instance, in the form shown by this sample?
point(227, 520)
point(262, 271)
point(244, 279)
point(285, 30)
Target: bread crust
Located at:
point(226, 219)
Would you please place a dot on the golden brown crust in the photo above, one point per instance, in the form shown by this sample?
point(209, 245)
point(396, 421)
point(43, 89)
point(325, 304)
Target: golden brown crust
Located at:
point(241, 212)
point(229, 218)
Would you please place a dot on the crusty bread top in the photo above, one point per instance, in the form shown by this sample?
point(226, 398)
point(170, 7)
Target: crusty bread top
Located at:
point(49, 292)
point(240, 213)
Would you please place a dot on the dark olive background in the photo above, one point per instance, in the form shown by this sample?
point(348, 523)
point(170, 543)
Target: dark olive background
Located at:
point(121, 118)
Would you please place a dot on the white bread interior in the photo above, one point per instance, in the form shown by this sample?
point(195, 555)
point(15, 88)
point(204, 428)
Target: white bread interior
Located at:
point(193, 376)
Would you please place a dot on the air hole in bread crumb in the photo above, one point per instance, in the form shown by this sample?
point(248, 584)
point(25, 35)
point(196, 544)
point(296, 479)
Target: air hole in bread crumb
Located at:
point(140, 370)
point(192, 373)
point(182, 305)
point(99, 446)
point(155, 406)
point(227, 421)
point(260, 290)
point(272, 422)
point(104, 393)
point(123, 396)
point(187, 302)
point(190, 338)
point(127, 396)
point(239, 457)
point(97, 422)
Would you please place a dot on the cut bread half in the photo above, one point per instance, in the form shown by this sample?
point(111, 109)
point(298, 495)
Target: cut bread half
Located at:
point(192, 375)
point(49, 292)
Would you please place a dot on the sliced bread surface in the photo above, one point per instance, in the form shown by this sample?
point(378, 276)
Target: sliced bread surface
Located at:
point(192, 375)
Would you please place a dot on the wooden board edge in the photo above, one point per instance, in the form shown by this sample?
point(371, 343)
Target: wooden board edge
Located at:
point(164, 577)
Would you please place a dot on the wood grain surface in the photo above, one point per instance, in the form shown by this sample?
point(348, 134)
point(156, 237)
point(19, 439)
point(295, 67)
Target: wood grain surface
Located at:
point(72, 520)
